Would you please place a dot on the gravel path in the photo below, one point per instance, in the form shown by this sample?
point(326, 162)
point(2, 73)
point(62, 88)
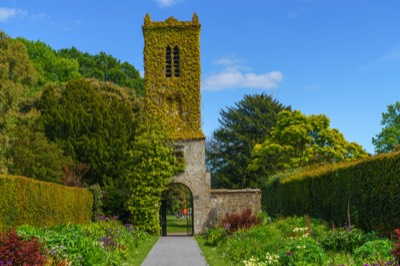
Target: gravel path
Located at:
point(175, 250)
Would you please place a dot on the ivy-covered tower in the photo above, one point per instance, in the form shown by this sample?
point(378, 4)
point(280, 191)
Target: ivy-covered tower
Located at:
point(172, 93)
point(172, 74)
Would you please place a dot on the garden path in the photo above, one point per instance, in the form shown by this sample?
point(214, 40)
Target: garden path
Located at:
point(175, 250)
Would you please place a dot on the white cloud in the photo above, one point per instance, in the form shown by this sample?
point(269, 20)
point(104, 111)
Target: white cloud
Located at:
point(165, 3)
point(7, 13)
point(236, 76)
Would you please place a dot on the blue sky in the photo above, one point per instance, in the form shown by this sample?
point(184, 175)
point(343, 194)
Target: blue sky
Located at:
point(335, 57)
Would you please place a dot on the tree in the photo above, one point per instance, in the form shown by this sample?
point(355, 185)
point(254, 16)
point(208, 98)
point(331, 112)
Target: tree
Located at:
point(105, 67)
point(228, 152)
point(154, 165)
point(94, 123)
point(16, 75)
point(389, 138)
point(50, 67)
point(298, 140)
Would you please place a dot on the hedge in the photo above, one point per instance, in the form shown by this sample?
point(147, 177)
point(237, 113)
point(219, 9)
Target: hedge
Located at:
point(368, 190)
point(28, 201)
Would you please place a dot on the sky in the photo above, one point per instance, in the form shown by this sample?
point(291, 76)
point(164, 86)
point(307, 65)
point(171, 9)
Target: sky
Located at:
point(340, 58)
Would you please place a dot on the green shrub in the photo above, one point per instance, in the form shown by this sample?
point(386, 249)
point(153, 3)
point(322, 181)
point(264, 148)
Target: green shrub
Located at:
point(302, 251)
point(41, 203)
point(214, 236)
point(101, 243)
point(97, 201)
point(342, 239)
point(376, 252)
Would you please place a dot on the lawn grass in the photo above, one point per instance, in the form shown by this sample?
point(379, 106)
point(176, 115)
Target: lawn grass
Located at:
point(178, 225)
point(211, 253)
point(142, 250)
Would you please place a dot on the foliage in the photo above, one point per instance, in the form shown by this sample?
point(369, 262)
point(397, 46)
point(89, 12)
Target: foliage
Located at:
point(302, 251)
point(376, 252)
point(41, 203)
point(293, 241)
point(104, 67)
point(67, 64)
point(106, 242)
point(16, 250)
point(174, 99)
point(388, 139)
point(16, 75)
point(298, 140)
point(228, 152)
point(155, 164)
point(343, 239)
point(396, 248)
point(337, 192)
point(215, 235)
point(50, 67)
point(97, 209)
point(34, 156)
point(234, 221)
point(95, 123)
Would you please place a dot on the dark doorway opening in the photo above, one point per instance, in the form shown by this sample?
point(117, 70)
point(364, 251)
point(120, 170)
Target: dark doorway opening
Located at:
point(176, 214)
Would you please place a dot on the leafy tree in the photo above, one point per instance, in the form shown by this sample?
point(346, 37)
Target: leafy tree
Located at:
point(229, 148)
point(154, 164)
point(104, 67)
point(389, 138)
point(298, 140)
point(16, 75)
point(50, 67)
point(93, 122)
point(36, 157)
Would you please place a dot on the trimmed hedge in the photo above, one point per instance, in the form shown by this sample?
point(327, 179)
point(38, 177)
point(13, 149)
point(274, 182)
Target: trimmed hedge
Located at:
point(28, 201)
point(368, 189)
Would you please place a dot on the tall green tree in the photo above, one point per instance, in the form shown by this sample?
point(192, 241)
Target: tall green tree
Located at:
point(93, 122)
point(16, 75)
point(105, 67)
point(228, 151)
point(154, 165)
point(298, 140)
point(389, 138)
point(50, 67)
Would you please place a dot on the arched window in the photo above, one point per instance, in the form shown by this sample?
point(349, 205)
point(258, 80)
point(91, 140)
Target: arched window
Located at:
point(168, 62)
point(176, 61)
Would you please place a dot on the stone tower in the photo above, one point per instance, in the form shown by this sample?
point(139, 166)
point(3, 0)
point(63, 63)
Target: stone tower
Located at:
point(172, 74)
point(172, 92)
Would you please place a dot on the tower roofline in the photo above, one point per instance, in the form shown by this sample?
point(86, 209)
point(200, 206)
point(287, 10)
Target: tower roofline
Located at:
point(171, 22)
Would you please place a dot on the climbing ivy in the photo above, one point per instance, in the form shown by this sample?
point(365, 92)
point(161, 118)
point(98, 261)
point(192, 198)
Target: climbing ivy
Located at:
point(175, 100)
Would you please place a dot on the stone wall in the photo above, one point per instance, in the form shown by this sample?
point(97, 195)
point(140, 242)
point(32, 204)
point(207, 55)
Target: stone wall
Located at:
point(225, 201)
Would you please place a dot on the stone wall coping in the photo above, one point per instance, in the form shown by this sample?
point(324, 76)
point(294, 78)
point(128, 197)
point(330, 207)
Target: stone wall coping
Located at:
point(246, 190)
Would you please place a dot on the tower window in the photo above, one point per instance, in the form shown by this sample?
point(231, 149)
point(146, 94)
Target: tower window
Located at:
point(168, 63)
point(176, 61)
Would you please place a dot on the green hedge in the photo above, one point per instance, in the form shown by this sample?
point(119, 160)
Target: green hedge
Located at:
point(369, 189)
point(28, 201)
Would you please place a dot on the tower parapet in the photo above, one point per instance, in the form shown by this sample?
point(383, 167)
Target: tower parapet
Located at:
point(172, 74)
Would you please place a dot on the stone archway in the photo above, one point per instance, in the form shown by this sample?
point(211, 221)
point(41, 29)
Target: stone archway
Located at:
point(176, 214)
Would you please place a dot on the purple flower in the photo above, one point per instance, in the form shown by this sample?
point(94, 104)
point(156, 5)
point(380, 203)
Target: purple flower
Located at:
point(289, 253)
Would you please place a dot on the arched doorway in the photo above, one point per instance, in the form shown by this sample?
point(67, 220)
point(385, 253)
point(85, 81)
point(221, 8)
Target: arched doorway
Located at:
point(176, 214)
